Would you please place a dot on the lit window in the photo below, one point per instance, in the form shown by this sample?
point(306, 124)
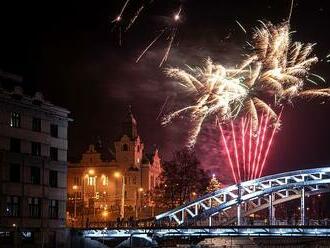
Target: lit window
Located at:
point(77, 180)
point(91, 181)
point(12, 206)
point(105, 180)
point(15, 119)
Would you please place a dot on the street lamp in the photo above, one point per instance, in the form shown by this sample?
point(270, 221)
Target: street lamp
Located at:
point(138, 195)
point(117, 174)
point(91, 172)
point(75, 187)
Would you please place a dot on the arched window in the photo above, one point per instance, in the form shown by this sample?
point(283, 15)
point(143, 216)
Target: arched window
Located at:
point(125, 147)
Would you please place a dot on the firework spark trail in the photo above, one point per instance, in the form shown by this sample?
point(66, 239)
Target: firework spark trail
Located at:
point(236, 152)
point(241, 26)
point(168, 47)
point(261, 146)
point(150, 45)
point(256, 148)
point(243, 122)
point(162, 108)
point(250, 147)
point(228, 153)
point(275, 128)
point(118, 18)
point(131, 22)
point(247, 159)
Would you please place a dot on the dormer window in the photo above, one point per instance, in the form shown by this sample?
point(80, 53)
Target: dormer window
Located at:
point(125, 147)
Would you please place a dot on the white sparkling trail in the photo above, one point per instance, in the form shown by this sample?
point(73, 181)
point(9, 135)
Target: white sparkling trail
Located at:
point(150, 45)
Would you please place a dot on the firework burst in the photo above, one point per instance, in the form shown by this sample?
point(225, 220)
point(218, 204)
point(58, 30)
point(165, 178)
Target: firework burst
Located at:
point(276, 69)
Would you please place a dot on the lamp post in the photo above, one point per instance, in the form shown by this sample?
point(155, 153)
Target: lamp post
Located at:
point(138, 195)
point(75, 187)
point(122, 201)
point(83, 198)
point(91, 173)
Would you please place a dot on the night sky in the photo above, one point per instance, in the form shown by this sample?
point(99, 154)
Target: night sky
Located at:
point(69, 50)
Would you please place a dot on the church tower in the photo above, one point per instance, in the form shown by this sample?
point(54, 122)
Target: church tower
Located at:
point(129, 149)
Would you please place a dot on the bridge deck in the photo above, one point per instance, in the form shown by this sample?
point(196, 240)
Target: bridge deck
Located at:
point(205, 232)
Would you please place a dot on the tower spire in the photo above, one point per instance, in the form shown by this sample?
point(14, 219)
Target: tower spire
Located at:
point(129, 125)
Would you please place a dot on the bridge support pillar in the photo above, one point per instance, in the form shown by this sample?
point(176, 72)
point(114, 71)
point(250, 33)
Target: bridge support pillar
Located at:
point(239, 216)
point(271, 210)
point(239, 219)
point(302, 207)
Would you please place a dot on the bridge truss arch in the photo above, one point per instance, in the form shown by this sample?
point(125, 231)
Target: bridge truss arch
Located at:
point(255, 195)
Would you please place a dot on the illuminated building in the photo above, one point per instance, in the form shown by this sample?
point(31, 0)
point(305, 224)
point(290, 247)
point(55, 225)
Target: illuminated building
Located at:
point(119, 185)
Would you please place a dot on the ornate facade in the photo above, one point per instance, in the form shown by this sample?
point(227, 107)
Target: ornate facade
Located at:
point(103, 189)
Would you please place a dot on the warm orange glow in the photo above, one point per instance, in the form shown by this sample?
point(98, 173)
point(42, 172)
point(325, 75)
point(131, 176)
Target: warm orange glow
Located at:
point(74, 187)
point(140, 189)
point(194, 193)
point(117, 174)
point(91, 172)
point(105, 213)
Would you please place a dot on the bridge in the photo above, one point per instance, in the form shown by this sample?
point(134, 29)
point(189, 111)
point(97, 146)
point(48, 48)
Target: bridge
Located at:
point(250, 197)
point(209, 215)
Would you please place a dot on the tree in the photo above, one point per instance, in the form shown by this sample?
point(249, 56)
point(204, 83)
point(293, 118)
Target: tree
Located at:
point(181, 180)
point(214, 184)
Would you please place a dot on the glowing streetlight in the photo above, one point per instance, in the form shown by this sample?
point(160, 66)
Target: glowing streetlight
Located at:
point(105, 214)
point(117, 174)
point(75, 187)
point(91, 172)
